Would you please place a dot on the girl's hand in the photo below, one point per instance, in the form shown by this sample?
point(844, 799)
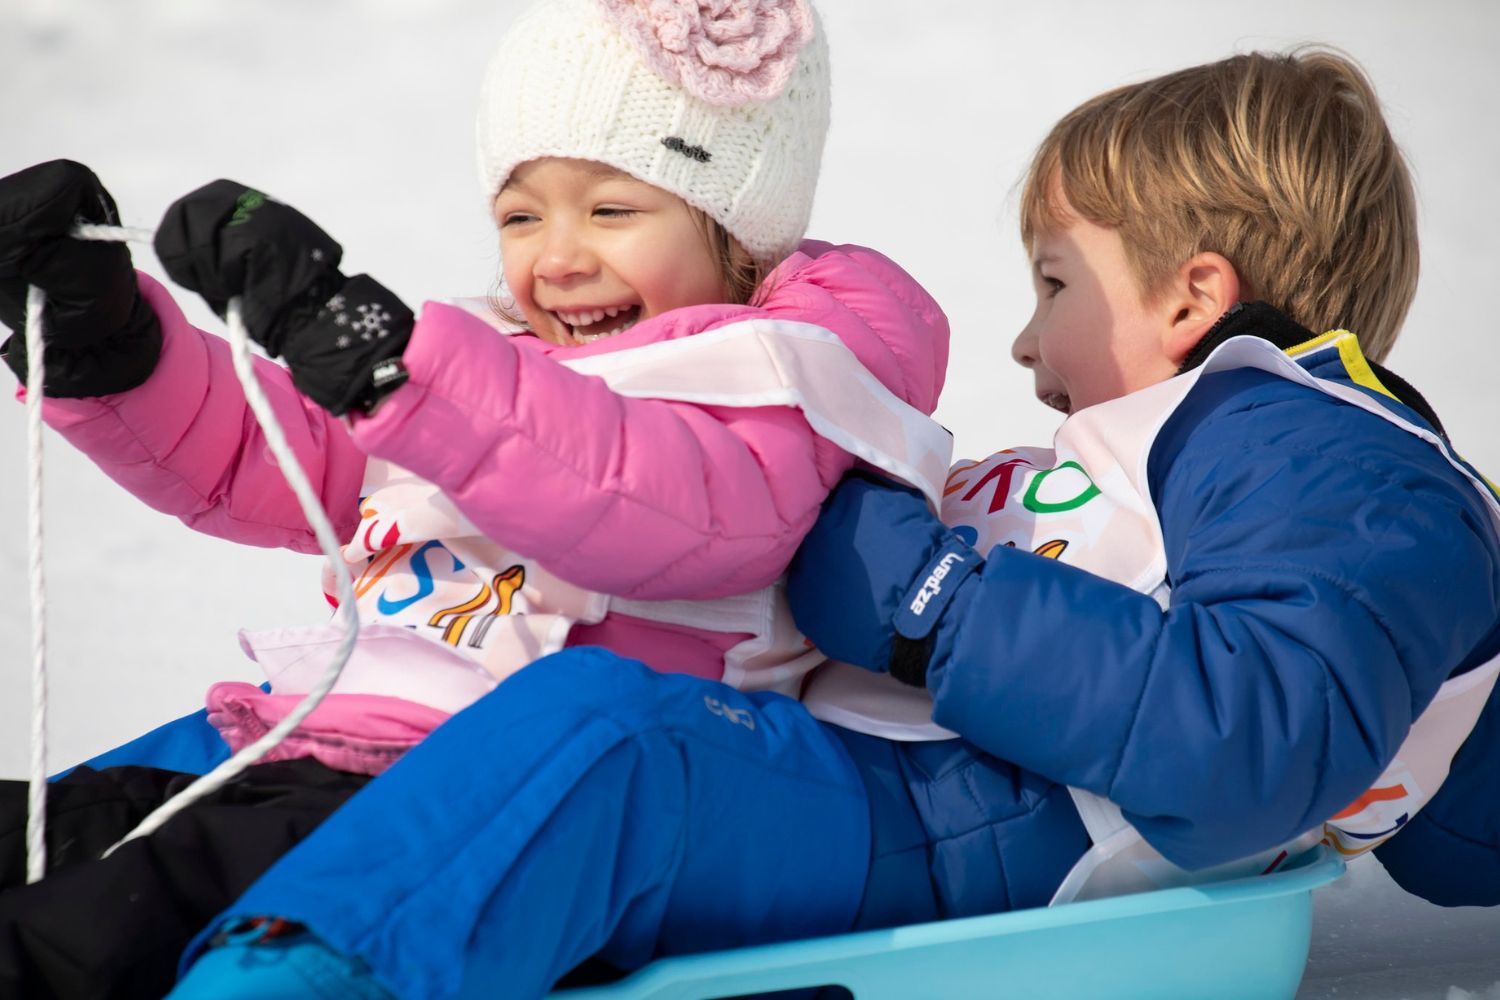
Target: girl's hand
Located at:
point(341, 337)
point(101, 335)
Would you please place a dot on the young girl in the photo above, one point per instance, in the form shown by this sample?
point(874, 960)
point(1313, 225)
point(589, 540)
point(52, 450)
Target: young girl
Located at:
point(633, 470)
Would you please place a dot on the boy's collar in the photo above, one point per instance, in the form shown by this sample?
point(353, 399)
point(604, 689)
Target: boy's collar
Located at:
point(1255, 319)
point(1263, 320)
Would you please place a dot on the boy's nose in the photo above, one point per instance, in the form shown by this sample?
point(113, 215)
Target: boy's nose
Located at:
point(1023, 348)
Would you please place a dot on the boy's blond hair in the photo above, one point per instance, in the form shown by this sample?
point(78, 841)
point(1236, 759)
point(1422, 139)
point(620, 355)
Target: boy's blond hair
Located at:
point(1281, 163)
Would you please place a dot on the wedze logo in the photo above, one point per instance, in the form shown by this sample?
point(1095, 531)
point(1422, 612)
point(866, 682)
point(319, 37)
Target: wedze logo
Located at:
point(933, 585)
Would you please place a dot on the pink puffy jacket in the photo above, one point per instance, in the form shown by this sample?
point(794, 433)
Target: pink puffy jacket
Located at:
point(640, 498)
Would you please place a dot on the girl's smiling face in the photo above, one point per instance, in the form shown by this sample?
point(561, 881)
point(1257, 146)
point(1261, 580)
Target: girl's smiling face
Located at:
point(589, 251)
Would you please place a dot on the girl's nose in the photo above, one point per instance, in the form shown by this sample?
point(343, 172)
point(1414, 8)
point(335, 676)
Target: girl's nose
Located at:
point(565, 255)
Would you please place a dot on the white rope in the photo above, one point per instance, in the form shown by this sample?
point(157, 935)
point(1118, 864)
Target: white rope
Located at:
point(36, 798)
point(112, 234)
point(312, 508)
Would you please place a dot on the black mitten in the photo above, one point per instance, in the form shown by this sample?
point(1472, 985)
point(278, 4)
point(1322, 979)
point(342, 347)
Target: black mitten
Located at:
point(341, 337)
point(102, 337)
point(348, 355)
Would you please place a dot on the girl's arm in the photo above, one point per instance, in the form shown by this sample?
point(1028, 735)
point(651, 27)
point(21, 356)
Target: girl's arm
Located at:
point(186, 443)
point(647, 498)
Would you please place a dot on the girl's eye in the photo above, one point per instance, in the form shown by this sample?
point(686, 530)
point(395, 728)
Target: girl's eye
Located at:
point(516, 218)
point(1053, 285)
point(614, 211)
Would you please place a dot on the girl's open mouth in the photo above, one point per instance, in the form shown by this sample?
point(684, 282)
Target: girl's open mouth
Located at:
point(588, 325)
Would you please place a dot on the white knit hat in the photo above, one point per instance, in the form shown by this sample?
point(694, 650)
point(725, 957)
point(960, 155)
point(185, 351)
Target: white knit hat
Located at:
point(724, 103)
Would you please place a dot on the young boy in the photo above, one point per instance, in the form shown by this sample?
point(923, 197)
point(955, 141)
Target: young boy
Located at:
point(1293, 609)
point(1267, 570)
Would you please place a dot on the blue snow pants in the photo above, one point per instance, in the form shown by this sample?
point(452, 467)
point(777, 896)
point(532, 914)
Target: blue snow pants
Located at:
point(587, 806)
point(591, 806)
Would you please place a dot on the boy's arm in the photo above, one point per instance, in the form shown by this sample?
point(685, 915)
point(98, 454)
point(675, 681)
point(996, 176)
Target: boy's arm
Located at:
point(1329, 572)
point(185, 442)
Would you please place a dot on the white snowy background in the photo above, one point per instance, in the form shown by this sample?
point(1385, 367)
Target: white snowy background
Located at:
point(359, 112)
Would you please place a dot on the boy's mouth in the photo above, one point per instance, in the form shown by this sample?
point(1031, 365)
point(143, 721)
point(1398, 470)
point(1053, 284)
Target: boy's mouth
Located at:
point(588, 325)
point(1057, 400)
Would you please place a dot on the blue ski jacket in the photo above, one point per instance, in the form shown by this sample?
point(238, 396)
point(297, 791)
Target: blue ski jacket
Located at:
point(1328, 570)
point(1449, 853)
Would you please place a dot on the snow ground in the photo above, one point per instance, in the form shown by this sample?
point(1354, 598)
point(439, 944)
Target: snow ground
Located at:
point(359, 111)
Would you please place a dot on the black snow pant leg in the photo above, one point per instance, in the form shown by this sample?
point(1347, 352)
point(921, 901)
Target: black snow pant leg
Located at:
point(87, 811)
point(115, 927)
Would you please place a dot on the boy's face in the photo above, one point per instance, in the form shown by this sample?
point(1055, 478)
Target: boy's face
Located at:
point(1092, 338)
point(589, 251)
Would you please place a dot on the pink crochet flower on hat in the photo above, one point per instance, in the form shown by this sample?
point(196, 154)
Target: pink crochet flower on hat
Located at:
point(723, 52)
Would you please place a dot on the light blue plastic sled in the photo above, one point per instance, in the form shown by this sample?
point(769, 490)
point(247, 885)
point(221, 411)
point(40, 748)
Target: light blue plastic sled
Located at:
point(1246, 938)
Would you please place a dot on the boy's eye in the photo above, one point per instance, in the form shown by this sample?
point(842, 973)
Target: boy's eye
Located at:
point(1053, 285)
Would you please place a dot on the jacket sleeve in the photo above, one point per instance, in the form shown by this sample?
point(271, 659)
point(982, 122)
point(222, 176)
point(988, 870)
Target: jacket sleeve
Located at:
point(1329, 571)
point(1449, 853)
point(647, 498)
point(186, 443)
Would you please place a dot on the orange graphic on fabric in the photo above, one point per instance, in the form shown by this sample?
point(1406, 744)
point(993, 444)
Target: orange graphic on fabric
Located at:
point(461, 614)
point(1047, 550)
point(506, 584)
point(1051, 550)
point(378, 567)
point(955, 484)
point(1388, 794)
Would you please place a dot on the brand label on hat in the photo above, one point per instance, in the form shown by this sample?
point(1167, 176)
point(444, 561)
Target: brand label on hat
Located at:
point(677, 144)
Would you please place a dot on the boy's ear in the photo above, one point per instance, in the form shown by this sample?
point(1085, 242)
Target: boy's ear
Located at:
point(1204, 288)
